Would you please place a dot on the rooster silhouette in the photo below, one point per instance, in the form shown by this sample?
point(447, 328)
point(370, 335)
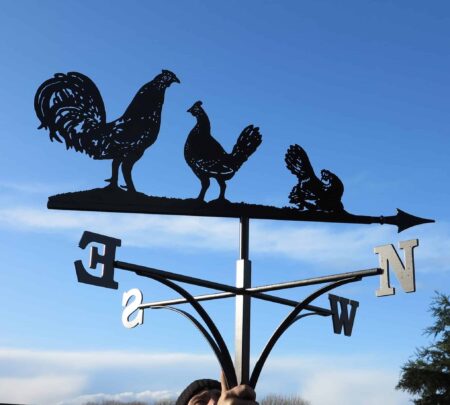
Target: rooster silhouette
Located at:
point(310, 192)
point(207, 158)
point(70, 107)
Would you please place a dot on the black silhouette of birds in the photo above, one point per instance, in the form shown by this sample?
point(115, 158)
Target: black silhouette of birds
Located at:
point(207, 158)
point(312, 193)
point(70, 107)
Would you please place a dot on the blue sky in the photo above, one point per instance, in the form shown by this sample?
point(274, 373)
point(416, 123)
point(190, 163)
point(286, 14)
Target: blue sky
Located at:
point(362, 86)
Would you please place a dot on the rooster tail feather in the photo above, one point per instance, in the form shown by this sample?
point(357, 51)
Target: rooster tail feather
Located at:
point(71, 107)
point(246, 144)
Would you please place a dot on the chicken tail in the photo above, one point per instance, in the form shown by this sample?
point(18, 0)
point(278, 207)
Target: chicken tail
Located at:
point(298, 163)
point(247, 143)
point(71, 107)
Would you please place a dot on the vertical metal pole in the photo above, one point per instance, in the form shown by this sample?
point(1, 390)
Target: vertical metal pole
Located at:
point(243, 280)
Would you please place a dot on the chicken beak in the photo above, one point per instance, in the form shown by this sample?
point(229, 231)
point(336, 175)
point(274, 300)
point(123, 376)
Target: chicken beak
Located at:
point(176, 80)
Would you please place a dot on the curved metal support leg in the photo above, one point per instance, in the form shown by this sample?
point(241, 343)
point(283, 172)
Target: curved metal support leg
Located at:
point(200, 327)
point(288, 321)
point(298, 317)
point(224, 359)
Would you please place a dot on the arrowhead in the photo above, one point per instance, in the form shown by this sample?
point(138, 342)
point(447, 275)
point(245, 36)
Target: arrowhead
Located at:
point(403, 220)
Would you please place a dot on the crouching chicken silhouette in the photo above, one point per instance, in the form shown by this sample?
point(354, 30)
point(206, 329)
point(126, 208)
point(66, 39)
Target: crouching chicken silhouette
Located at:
point(71, 107)
point(310, 192)
point(207, 158)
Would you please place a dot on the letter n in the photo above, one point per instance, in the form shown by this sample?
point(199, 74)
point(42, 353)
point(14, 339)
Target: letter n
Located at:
point(389, 259)
point(341, 318)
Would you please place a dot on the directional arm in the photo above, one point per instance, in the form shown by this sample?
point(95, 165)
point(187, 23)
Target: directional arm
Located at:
point(244, 289)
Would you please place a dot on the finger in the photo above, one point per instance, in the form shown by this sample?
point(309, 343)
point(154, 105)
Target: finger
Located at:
point(201, 398)
point(244, 392)
point(223, 382)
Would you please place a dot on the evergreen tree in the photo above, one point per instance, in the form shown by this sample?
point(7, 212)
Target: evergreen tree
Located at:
point(427, 376)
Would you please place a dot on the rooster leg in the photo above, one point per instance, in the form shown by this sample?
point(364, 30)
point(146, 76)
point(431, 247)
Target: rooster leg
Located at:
point(115, 174)
point(223, 187)
point(127, 166)
point(205, 184)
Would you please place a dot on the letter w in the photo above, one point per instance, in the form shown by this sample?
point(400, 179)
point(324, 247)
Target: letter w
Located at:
point(341, 319)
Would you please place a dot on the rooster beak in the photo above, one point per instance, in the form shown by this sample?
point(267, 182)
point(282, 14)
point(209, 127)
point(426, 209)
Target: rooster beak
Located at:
point(176, 80)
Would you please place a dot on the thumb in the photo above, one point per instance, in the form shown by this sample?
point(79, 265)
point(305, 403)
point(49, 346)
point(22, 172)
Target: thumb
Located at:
point(223, 382)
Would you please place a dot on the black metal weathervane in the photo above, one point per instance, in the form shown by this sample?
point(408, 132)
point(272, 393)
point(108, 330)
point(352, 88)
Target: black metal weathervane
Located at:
point(71, 108)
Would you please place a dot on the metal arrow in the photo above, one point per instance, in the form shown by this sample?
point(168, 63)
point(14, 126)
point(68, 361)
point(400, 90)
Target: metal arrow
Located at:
point(403, 220)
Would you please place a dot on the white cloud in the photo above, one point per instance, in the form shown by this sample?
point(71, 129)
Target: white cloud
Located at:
point(51, 377)
point(318, 244)
point(335, 380)
point(72, 378)
point(145, 396)
point(134, 229)
point(76, 361)
point(345, 386)
point(321, 244)
point(41, 389)
point(28, 188)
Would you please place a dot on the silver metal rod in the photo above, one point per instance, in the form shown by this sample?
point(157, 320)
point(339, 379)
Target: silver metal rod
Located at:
point(317, 280)
point(142, 270)
point(208, 297)
point(231, 291)
point(243, 306)
point(177, 301)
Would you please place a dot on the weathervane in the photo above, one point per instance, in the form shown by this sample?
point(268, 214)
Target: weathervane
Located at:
point(70, 107)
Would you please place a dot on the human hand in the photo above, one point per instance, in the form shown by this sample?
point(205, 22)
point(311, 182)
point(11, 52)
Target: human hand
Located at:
point(239, 395)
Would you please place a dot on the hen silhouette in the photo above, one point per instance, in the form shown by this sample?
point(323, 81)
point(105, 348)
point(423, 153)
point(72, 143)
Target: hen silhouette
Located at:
point(70, 107)
point(310, 192)
point(207, 158)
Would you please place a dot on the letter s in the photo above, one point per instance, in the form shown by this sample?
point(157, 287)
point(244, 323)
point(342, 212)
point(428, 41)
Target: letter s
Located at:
point(132, 307)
